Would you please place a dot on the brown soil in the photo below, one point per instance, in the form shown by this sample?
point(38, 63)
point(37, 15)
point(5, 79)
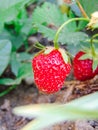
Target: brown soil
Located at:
point(28, 94)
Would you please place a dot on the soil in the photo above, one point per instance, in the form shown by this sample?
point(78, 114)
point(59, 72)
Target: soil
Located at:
point(29, 94)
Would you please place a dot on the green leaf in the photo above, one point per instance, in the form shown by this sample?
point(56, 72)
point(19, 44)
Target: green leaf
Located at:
point(16, 40)
point(17, 59)
point(23, 56)
point(89, 6)
point(5, 50)
point(20, 20)
point(82, 25)
point(47, 32)
point(57, 112)
point(27, 27)
point(47, 13)
point(15, 63)
point(50, 14)
point(72, 38)
point(65, 36)
point(8, 81)
point(23, 23)
point(20, 67)
point(25, 70)
point(9, 10)
point(7, 4)
point(76, 49)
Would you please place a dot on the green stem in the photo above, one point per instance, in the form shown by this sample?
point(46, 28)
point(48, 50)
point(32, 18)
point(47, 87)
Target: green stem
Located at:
point(7, 90)
point(81, 9)
point(93, 49)
point(94, 36)
point(62, 26)
point(37, 45)
point(94, 40)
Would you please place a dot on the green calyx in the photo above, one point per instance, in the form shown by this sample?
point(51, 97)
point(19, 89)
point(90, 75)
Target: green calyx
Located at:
point(39, 46)
point(48, 49)
point(91, 53)
point(61, 50)
point(64, 55)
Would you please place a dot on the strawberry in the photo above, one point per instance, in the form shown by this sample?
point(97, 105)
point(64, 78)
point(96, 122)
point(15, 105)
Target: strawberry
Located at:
point(50, 71)
point(83, 68)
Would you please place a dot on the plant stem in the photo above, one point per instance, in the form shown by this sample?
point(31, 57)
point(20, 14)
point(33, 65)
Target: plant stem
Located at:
point(94, 40)
point(94, 36)
point(93, 49)
point(62, 26)
point(7, 90)
point(82, 10)
point(37, 45)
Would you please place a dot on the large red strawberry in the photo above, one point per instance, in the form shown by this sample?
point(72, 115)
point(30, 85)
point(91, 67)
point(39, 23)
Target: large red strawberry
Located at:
point(83, 68)
point(50, 71)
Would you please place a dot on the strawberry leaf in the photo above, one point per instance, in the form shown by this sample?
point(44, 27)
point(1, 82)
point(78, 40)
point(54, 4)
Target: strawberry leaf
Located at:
point(56, 113)
point(8, 81)
point(48, 13)
point(74, 38)
point(17, 59)
point(47, 32)
point(24, 71)
point(48, 18)
point(9, 10)
point(5, 51)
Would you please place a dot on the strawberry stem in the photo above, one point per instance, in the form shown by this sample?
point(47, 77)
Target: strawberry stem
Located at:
point(93, 49)
point(62, 26)
point(81, 9)
point(7, 90)
point(89, 40)
point(93, 37)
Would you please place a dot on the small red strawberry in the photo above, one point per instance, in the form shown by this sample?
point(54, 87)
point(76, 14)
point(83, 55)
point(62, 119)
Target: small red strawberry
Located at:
point(83, 68)
point(50, 70)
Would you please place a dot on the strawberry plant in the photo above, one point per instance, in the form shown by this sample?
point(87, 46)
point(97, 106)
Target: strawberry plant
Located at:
point(67, 25)
point(15, 27)
point(63, 29)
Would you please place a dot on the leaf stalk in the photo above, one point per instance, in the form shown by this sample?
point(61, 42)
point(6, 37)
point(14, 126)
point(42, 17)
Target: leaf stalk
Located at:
point(62, 26)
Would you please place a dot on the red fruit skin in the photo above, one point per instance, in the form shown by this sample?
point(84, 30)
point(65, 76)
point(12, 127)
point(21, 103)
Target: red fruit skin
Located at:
point(50, 71)
point(83, 68)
